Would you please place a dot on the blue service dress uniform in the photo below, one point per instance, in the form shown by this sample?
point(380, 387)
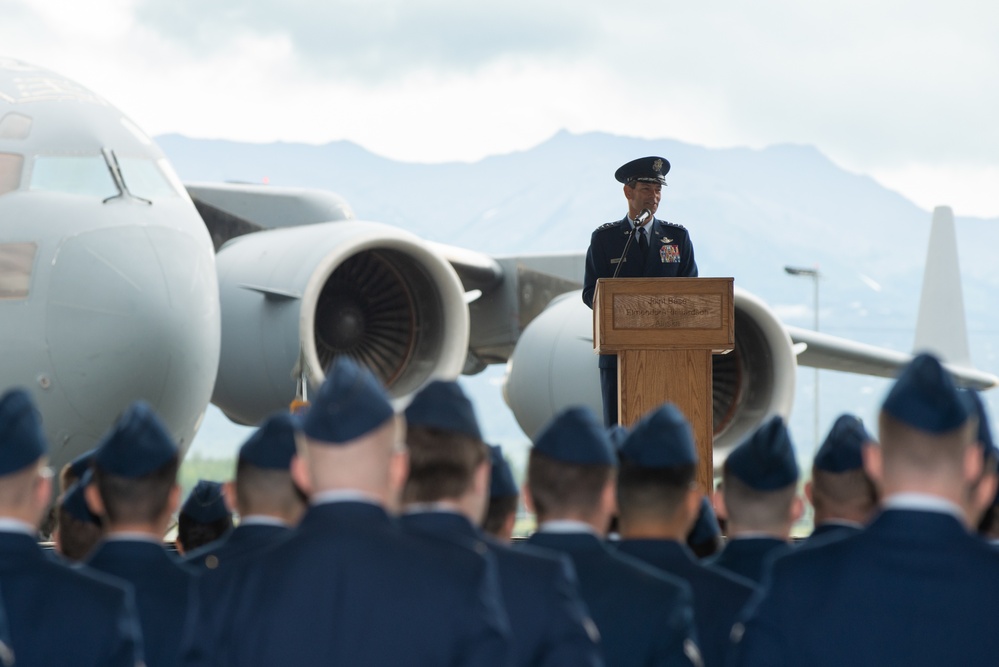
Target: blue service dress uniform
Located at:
point(643, 615)
point(670, 255)
point(748, 557)
point(719, 596)
point(244, 541)
point(349, 587)
point(166, 593)
point(64, 617)
point(914, 589)
point(549, 622)
point(830, 530)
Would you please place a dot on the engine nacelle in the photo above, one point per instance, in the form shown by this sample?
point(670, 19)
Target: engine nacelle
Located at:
point(554, 367)
point(367, 290)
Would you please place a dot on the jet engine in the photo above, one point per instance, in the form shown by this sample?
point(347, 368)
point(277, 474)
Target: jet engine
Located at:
point(554, 366)
point(293, 299)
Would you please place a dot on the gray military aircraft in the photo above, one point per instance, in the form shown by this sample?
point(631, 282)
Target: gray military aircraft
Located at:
point(117, 282)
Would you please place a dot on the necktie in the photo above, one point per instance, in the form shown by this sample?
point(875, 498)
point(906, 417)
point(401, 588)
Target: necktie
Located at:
point(643, 243)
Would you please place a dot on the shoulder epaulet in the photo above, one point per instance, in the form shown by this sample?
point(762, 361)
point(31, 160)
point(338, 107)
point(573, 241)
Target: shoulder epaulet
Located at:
point(607, 225)
point(673, 224)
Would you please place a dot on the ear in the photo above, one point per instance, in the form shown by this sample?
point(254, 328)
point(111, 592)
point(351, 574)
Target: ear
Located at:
point(718, 504)
point(608, 497)
point(173, 500)
point(525, 493)
point(94, 501)
point(229, 496)
point(692, 507)
point(300, 474)
point(480, 479)
point(398, 474)
point(874, 464)
point(797, 508)
point(973, 463)
point(809, 492)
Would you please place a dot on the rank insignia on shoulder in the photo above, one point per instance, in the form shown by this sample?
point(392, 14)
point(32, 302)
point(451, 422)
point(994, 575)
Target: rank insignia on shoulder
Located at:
point(606, 225)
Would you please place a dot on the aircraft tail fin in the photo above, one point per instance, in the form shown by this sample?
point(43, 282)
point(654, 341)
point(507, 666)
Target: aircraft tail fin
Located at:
point(941, 326)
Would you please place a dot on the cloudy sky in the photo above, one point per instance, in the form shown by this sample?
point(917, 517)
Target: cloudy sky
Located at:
point(906, 92)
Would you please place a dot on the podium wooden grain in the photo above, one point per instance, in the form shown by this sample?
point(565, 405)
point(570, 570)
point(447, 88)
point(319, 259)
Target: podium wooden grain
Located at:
point(664, 331)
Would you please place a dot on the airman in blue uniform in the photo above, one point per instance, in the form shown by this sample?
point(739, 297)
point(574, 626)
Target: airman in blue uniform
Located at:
point(204, 517)
point(760, 495)
point(915, 587)
point(135, 491)
point(78, 530)
point(57, 616)
point(658, 502)
point(348, 586)
point(704, 538)
point(660, 249)
point(445, 495)
point(504, 498)
point(644, 615)
point(842, 494)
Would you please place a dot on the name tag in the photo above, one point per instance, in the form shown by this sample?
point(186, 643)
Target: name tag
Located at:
point(616, 261)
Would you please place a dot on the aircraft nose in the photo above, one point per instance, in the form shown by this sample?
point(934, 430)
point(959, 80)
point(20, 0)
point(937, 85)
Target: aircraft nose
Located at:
point(133, 312)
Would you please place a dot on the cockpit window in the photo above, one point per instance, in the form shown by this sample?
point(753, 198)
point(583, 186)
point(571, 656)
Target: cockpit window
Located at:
point(10, 172)
point(16, 260)
point(77, 175)
point(144, 179)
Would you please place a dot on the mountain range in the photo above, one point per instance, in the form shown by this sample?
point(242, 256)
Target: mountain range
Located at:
point(750, 213)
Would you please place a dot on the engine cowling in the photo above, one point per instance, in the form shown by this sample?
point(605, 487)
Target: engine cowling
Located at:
point(553, 367)
point(367, 290)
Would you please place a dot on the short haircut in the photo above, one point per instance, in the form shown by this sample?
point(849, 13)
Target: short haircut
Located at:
point(136, 500)
point(441, 463)
point(919, 451)
point(500, 508)
point(16, 488)
point(266, 490)
point(753, 509)
point(76, 538)
point(839, 492)
point(558, 487)
point(193, 534)
point(652, 491)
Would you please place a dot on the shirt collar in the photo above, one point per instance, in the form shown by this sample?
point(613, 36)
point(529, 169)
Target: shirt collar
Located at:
point(9, 525)
point(923, 502)
point(344, 496)
point(566, 526)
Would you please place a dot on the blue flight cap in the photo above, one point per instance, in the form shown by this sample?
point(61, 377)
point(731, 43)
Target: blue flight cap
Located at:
point(74, 500)
point(272, 445)
point(661, 439)
point(82, 463)
point(575, 436)
point(645, 169)
point(205, 504)
point(442, 404)
point(501, 481)
point(136, 445)
point(351, 403)
point(21, 439)
point(925, 397)
point(706, 527)
point(765, 460)
point(840, 451)
point(617, 435)
point(984, 429)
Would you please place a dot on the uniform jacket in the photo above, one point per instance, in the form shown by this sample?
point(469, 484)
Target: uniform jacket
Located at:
point(748, 557)
point(719, 596)
point(549, 623)
point(914, 588)
point(165, 593)
point(349, 587)
point(644, 616)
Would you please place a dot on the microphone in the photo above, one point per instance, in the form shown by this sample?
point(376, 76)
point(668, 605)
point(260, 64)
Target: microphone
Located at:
point(639, 221)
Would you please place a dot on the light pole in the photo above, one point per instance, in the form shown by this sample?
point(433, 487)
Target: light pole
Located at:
point(814, 275)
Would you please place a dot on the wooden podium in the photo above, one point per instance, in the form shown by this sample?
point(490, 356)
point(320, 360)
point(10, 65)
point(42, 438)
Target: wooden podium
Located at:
point(664, 331)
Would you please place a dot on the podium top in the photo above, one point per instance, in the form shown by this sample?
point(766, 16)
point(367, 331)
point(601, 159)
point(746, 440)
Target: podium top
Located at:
point(664, 314)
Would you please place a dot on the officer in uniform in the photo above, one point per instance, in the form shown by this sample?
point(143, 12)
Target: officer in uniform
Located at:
point(445, 497)
point(760, 496)
point(704, 538)
point(348, 586)
point(204, 517)
point(504, 497)
point(660, 249)
point(78, 530)
point(643, 614)
point(658, 501)
point(135, 491)
point(842, 495)
point(263, 493)
point(915, 587)
point(60, 616)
